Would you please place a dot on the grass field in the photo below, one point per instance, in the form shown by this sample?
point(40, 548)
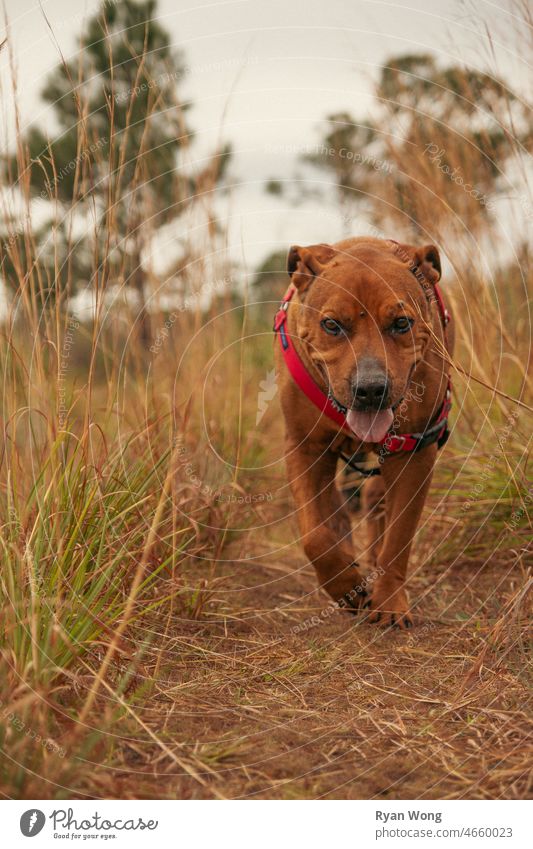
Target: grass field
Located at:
point(164, 636)
point(162, 633)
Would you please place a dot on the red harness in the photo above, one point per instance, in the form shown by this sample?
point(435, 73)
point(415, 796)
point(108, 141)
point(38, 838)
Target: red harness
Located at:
point(392, 443)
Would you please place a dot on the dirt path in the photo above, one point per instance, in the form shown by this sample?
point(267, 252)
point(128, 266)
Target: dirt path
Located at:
point(271, 693)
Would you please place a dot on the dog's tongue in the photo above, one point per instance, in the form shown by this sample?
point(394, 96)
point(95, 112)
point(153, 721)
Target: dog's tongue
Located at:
point(372, 426)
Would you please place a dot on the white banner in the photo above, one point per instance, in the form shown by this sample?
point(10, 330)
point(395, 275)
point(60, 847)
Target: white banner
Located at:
point(268, 824)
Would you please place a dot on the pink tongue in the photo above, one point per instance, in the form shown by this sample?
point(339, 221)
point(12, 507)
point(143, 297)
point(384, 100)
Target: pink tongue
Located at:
point(372, 426)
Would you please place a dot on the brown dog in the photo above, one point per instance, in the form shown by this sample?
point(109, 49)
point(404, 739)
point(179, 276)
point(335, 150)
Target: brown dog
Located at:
point(368, 326)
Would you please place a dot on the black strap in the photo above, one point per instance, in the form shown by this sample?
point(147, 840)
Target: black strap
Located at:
point(438, 433)
point(366, 473)
point(443, 439)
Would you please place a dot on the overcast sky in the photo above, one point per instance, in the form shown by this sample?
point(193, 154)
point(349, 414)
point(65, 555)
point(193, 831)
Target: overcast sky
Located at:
point(264, 73)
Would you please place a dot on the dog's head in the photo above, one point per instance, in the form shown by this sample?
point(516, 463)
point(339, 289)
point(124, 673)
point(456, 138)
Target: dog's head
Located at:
point(364, 320)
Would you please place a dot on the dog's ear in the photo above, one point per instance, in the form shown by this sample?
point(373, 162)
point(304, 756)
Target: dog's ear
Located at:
point(304, 264)
point(423, 262)
point(427, 260)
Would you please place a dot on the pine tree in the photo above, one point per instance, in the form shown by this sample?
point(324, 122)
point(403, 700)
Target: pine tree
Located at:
point(112, 169)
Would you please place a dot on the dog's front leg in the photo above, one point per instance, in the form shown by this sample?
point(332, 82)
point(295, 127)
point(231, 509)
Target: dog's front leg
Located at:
point(324, 523)
point(407, 478)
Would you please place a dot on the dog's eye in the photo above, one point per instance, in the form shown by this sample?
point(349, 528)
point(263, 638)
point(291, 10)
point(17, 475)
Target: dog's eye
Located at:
point(402, 324)
point(331, 326)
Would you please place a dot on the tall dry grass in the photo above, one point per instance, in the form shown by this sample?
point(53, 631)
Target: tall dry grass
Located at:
point(105, 490)
point(108, 489)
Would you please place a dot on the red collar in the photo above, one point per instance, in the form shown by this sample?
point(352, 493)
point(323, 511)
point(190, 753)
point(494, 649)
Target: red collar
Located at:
point(392, 443)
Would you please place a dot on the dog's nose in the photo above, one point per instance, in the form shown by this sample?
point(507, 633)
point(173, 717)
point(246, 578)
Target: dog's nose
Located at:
point(370, 390)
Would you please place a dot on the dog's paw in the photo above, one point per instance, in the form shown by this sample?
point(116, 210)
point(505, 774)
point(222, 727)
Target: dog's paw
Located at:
point(348, 589)
point(389, 608)
point(398, 621)
point(354, 599)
